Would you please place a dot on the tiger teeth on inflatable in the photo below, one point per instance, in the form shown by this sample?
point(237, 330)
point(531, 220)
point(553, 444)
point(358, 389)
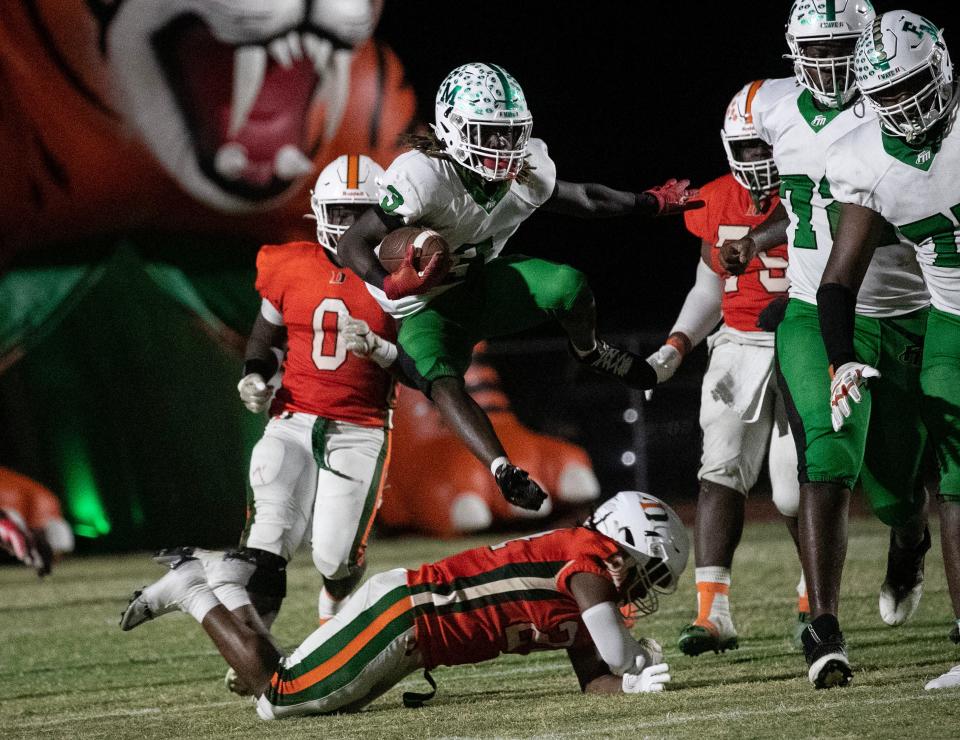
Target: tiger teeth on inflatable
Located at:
point(197, 115)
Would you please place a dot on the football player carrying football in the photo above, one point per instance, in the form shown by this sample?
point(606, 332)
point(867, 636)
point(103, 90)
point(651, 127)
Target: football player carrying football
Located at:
point(475, 180)
point(903, 169)
point(322, 459)
point(891, 317)
point(558, 589)
point(741, 409)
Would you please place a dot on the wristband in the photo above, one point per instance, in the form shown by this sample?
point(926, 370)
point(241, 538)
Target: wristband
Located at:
point(680, 342)
point(498, 463)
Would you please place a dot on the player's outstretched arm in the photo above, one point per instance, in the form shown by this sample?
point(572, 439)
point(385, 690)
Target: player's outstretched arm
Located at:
point(736, 253)
point(17, 540)
point(591, 200)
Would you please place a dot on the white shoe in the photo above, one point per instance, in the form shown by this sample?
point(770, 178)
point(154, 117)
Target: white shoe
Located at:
point(895, 609)
point(949, 680)
point(163, 596)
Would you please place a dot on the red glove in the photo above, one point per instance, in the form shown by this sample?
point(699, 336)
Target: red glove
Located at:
point(406, 281)
point(675, 196)
point(17, 540)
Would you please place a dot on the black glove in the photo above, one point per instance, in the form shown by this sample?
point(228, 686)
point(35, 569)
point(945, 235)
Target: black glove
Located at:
point(518, 489)
point(770, 317)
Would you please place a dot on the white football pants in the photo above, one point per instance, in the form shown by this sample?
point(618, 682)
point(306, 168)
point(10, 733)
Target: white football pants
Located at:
point(734, 450)
point(318, 475)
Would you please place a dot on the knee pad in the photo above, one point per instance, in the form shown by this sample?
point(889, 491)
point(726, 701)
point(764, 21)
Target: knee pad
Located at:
point(784, 477)
point(337, 514)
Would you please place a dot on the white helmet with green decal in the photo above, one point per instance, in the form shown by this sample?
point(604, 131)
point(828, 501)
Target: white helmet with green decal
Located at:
point(821, 35)
point(904, 72)
point(483, 121)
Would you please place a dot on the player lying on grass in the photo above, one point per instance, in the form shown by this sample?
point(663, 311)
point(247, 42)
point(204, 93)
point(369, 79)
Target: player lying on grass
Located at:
point(557, 589)
point(474, 180)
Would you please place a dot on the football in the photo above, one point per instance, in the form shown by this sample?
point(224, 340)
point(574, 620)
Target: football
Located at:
point(425, 244)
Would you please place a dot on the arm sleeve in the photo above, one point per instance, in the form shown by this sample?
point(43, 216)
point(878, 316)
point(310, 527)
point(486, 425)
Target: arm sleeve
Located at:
point(701, 309)
point(836, 306)
point(614, 642)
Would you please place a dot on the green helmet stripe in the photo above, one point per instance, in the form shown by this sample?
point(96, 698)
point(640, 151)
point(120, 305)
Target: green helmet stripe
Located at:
point(831, 10)
point(507, 91)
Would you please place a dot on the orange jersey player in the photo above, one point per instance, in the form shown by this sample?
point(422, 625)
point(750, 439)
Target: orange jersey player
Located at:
point(323, 456)
point(548, 591)
point(741, 411)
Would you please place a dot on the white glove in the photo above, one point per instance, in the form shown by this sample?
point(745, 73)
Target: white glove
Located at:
point(650, 679)
point(664, 362)
point(254, 392)
point(847, 380)
point(365, 343)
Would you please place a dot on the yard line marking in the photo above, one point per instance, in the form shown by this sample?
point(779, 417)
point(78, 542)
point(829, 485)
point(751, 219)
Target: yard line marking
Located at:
point(64, 719)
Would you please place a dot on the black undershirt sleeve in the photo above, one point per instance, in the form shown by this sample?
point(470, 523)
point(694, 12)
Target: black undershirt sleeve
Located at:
point(836, 306)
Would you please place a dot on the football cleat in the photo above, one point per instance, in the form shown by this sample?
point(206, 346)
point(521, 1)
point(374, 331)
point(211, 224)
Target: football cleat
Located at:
point(955, 633)
point(901, 590)
point(234, 684)
point(949, 680)
point(630, 369)
point(718, 635)
point(826, 653)
point(519, 488)
point(163, 596)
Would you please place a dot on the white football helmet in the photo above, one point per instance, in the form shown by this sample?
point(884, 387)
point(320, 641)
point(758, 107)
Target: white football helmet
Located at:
point(905, 51)
point(349, 180)
point(475, 103)
point(651, 533)
point(759, 176)
point(829, 79)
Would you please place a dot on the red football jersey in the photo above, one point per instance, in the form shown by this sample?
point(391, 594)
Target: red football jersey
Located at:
point(728, 214)
point(320, 376)
point(508, 598)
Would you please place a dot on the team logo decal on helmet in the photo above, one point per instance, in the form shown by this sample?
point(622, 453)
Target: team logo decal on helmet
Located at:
point(829, 78)
point(344, 186)
point(483, 121)
point(651, 533)
point(903, 70)
point(758, 175)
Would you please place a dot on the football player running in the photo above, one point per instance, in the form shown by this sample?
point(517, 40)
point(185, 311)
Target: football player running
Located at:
point(903, 169)
point(474, 180)
point(741, 409)
point(321, 463)
point(547, 591)
point(891, 317)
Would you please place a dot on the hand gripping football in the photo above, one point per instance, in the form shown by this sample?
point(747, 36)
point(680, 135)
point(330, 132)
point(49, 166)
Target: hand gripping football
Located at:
point(425, 243)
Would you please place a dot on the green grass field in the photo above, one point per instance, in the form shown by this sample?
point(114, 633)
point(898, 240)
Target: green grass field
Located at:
point(66, 669)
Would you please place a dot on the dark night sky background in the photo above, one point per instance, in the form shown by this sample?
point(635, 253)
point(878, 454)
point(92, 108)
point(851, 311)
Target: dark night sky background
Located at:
point(621, 98)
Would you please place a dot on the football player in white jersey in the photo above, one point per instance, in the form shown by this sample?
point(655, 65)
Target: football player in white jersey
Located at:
point(904, 169)
point(891, 316)
point(475, 179)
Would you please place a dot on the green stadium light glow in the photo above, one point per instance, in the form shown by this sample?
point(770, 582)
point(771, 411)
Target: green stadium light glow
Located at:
point(80, 490)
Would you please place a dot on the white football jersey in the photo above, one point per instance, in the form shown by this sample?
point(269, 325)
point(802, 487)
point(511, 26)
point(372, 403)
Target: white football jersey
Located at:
point(431, 192)
point(800, 134)
point(917, 189)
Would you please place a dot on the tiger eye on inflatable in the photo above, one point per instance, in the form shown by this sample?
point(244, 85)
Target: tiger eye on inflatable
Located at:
point(185, 115)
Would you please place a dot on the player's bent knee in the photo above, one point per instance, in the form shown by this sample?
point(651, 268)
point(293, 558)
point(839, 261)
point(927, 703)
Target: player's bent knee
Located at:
point(897, 515)
point(566, 290)
point(787, 500)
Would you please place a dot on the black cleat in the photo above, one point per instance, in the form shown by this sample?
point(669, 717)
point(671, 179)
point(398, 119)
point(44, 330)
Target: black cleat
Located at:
point(826, 653)
point(517, 488)
point(628, 368)
point(901, 590)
